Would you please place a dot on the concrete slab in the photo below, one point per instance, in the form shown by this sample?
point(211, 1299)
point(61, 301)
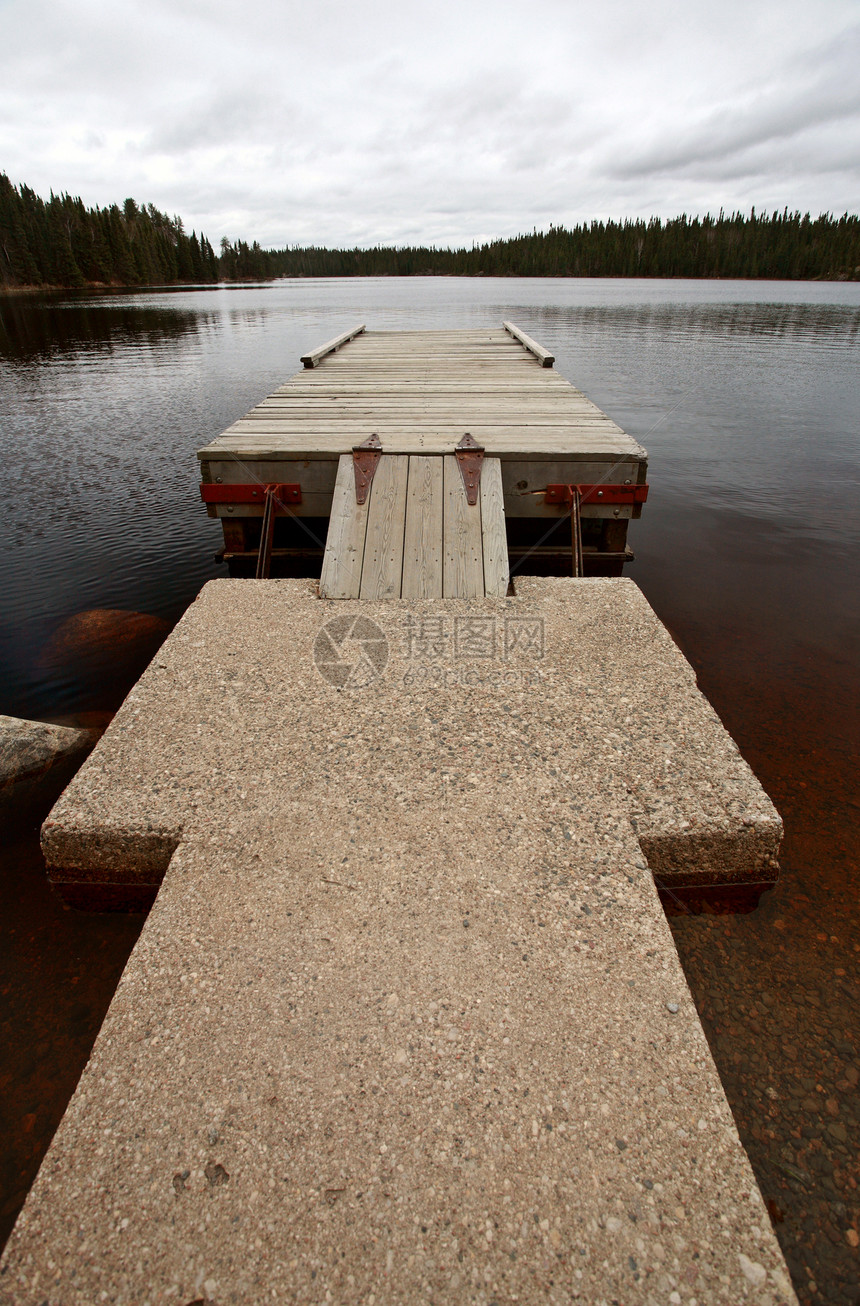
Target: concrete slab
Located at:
point(406, 1022)
point(236, 682)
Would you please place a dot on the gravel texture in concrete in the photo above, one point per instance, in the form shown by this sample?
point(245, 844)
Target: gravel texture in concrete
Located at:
point(588, 659)
point(406, 1022)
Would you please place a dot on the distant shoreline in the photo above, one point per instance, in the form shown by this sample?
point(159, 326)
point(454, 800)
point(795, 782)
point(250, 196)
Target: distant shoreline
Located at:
point(12, 292)
point(48, 245)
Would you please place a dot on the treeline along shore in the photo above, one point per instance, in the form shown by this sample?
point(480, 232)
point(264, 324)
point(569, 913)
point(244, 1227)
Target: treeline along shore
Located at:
point(60, 243)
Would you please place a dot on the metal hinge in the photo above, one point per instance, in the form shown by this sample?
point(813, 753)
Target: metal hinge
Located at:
point(470, 456)
point(364, 461)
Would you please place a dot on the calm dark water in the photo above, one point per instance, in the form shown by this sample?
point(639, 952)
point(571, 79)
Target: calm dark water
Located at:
point(745, 394)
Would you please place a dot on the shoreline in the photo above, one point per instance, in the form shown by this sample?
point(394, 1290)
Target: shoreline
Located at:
point(14, 291)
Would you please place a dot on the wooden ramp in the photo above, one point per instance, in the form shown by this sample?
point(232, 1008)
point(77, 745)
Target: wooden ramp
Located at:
point(416, 536)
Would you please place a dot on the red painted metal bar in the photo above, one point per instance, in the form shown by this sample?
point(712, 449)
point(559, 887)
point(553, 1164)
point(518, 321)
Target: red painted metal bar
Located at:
point(589, 494)
point(287, 494)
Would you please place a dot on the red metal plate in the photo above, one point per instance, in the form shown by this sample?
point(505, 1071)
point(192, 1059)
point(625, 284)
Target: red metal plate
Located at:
point(605, 493)
point(249, 493)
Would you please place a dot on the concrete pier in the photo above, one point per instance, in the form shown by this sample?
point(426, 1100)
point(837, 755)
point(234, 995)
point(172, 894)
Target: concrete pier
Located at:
point(406, 1022)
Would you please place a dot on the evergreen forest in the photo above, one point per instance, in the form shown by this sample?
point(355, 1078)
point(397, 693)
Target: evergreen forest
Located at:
point(59, 242)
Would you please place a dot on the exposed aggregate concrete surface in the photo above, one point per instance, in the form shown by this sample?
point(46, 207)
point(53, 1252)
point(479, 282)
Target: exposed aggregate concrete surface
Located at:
point(227, 697)
point(406, 1022)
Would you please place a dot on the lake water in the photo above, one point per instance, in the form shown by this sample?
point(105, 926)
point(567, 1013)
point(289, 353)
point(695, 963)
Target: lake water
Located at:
point(746, 396)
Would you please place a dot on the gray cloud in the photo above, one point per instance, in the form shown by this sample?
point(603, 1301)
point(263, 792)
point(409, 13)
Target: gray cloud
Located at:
point(787, 110)
point(442, 123)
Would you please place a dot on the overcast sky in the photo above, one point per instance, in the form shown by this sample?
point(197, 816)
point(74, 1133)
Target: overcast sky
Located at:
point(350, 123)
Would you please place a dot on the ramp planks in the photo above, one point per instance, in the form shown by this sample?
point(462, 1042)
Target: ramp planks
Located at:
point(416, 536)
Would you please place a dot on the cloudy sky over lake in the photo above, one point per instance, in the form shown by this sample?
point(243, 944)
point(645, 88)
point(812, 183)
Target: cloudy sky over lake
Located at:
point(350, 123)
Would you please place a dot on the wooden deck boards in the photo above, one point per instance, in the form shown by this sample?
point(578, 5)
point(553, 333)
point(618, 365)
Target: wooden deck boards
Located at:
point(416, 536)
point(421, 391)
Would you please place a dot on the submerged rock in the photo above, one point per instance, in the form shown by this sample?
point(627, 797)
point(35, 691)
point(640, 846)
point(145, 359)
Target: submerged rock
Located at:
point(37, 761)
point(103, 636)
point(98, 655)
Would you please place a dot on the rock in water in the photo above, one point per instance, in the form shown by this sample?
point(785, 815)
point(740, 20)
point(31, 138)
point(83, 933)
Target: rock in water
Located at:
point(105, 640)
point(37, 761)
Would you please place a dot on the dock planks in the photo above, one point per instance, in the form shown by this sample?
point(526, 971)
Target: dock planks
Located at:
point(420, 391)
point(416, 536)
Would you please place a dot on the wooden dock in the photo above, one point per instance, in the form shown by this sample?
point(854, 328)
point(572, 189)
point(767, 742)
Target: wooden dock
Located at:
point(549, 456)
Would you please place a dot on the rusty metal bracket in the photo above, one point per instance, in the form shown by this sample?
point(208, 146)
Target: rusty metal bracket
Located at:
point(576, 532)
point(264, 554)
point(596, 494)
point(365, 458)
point(253, 494)
point(273, 506)
point(470, 456)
